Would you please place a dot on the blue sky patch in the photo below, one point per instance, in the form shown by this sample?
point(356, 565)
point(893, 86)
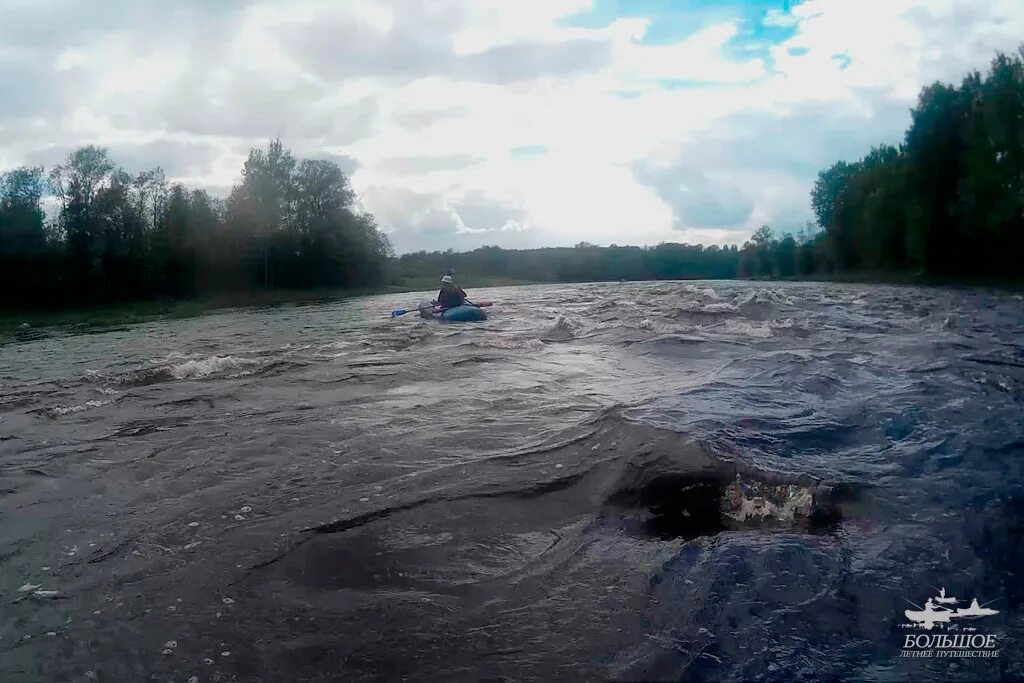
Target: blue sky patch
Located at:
point(528, 151)
point(761, 23)
point(844, 59)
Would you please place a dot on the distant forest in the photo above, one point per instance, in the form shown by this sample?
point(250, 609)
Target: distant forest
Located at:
point(113, 236)
point(947, 203)
point(582, 263)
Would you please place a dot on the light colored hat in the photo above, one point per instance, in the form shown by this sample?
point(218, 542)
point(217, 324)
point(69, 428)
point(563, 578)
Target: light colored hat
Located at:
point(447, 279)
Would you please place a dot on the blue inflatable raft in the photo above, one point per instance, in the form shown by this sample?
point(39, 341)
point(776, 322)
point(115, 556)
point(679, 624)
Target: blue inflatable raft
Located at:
point(464, 314)
point(461, 314)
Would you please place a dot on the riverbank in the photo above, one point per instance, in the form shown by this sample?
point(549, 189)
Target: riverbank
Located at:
point(114, 315)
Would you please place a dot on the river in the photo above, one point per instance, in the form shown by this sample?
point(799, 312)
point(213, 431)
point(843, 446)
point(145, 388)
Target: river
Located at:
point(637, 481)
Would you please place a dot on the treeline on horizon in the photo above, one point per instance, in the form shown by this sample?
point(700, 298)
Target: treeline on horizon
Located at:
point(115, 236)
point(583, 263)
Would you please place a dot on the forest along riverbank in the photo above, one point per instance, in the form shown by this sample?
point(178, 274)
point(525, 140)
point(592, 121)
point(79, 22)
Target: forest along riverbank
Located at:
point(631, 481)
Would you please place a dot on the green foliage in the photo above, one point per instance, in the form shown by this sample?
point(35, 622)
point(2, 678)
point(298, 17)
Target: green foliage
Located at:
point(949, 202)
point(117, 237)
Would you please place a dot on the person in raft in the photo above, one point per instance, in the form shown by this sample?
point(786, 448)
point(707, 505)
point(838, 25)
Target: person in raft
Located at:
point(450, 295)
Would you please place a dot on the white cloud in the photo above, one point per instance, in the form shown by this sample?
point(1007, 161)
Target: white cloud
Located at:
point(424, 103)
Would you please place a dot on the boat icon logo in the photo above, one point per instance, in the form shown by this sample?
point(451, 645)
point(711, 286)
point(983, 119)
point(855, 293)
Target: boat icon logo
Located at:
point(943, 609)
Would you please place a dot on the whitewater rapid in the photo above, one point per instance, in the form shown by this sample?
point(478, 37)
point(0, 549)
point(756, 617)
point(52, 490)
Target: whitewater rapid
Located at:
point(629, 481)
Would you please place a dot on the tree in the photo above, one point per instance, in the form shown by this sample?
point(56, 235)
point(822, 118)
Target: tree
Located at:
point(117, 236)
point(23, 240)
point(321, 189)
point(76, 185)
point(21, 213)
point(785, 256)
point(950, 201)
point(263, 201)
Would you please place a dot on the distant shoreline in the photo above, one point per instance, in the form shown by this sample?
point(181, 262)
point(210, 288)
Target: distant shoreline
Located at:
point(118, 314)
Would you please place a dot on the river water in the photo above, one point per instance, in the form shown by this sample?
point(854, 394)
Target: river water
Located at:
point(639, 481)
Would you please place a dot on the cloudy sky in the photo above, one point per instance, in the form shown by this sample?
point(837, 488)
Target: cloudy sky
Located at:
point(510, 122)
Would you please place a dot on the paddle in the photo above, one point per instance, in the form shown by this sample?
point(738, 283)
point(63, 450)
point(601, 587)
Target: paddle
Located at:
point(403, 311)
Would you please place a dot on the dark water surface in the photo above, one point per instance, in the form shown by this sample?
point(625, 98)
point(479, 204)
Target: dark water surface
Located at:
point(648, 481)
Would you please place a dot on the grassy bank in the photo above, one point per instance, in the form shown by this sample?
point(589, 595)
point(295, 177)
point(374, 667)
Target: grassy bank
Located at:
point(103, 316)
point(115, 315)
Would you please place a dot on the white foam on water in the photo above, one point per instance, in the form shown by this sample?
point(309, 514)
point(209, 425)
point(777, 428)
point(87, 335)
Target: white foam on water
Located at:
point(704, 307)
point(564, 329)
point(764, 295)
point(702, 291)
point(507, 343)
point(745, 329)
point(172, 357)
point(67, 410)
point(754, 500)
point(194, 369)
point(663, 328)
point(783, 324)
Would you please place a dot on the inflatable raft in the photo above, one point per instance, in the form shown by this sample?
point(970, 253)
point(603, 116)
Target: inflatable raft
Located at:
point(460, 314)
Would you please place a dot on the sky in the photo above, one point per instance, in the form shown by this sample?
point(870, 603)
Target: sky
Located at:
point(518, 123)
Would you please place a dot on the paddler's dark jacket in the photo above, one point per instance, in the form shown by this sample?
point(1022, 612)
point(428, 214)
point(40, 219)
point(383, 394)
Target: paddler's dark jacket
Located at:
point(451, 298)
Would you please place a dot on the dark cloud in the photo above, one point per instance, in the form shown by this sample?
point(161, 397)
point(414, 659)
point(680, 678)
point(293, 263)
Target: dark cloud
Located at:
point(696, 200)
point(346, 163)
point(404, 210)
point(341, 47)
point(47, 50)
point(29, 87)
point(479, 212)
point(525, 61)
point(175, 158)
point(808, 137)
point(251, 106)
point(427, 164)
point(967, 35)
point(405, 241)
point(416, 221)
point(47, 25)
point(48, 156)
point(705, 185)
